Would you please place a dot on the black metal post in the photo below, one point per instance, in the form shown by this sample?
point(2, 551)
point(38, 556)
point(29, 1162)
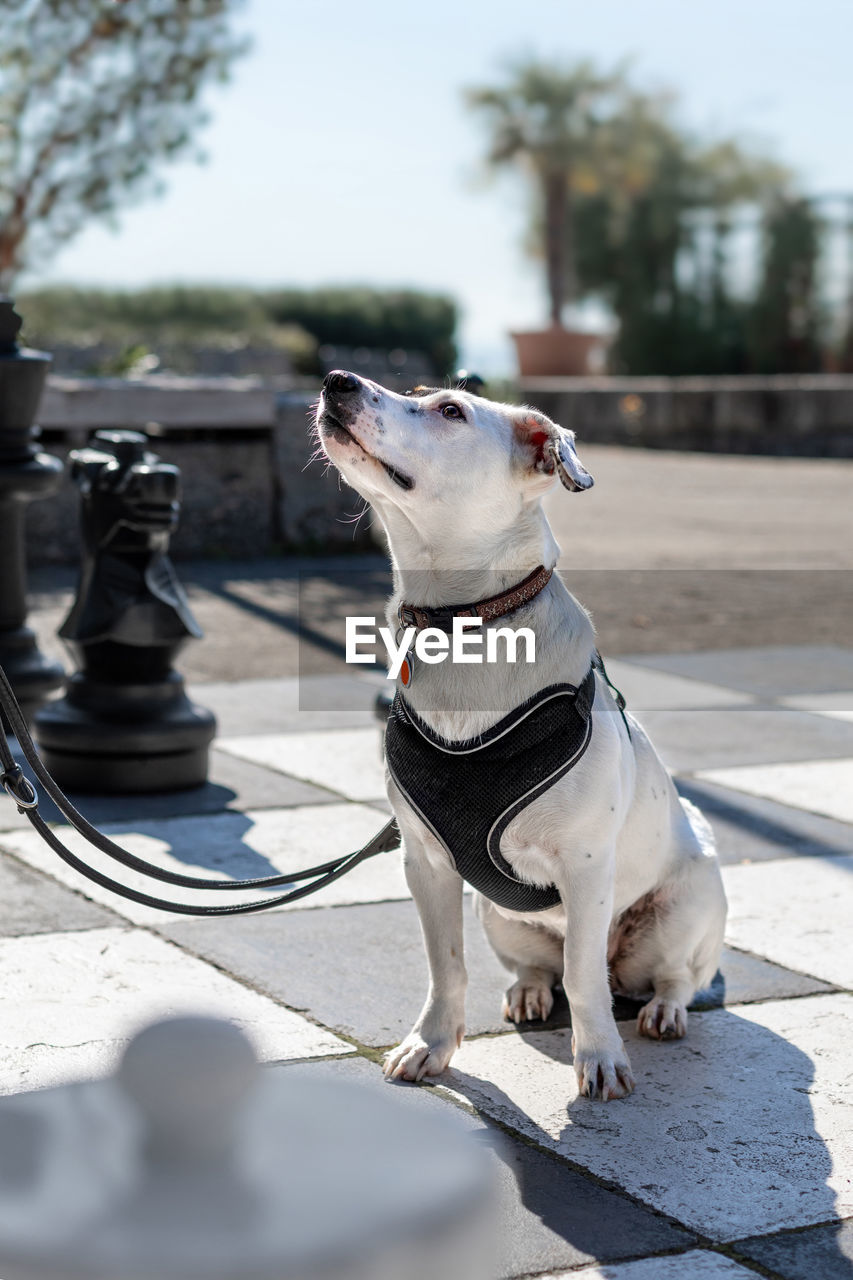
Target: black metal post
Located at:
point(126, 723)
point(25, 473)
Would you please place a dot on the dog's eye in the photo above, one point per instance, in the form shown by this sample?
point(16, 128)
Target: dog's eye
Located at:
point(451, 411)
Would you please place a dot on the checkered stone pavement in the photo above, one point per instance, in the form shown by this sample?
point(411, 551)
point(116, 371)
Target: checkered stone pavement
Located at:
point(735, 1154)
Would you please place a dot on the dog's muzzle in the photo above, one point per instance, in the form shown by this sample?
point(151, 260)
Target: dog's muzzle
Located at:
point(341, 391)
point(339, 384)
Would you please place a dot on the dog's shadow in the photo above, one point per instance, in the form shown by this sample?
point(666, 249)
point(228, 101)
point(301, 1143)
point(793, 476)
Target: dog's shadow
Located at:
point(720, 1134)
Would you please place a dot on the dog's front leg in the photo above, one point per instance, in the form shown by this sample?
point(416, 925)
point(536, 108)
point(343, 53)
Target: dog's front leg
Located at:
point(437, 890)
point(600, 1060)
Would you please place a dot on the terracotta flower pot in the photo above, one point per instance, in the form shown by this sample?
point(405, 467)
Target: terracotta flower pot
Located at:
point(558, 352)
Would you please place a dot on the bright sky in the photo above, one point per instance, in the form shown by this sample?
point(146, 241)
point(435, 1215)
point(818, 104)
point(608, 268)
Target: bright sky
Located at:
point(342, 151)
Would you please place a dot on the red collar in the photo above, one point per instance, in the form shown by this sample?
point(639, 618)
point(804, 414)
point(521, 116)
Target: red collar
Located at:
point(498, 606)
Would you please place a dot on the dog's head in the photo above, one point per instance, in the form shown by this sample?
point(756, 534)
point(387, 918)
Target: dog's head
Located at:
point(430, 455)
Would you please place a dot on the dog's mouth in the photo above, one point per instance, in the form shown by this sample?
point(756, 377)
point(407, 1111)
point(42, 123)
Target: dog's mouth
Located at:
point(335, 428)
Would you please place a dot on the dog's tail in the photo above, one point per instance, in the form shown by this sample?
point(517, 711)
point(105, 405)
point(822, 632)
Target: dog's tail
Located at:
point(700, 827)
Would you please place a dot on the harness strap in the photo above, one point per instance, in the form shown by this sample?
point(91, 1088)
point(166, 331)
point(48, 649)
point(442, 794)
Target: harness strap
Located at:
point(619, 698)
point(467, 792)
point(23, 792)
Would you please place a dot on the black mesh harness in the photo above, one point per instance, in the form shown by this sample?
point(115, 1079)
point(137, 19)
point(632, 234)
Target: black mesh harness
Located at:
point(468, 792)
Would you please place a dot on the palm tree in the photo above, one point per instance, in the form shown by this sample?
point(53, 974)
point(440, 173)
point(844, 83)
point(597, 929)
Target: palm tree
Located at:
point(547, 120)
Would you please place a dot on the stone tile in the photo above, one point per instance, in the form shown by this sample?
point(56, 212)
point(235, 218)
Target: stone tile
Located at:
point(646, 689)
point(552, 1216)
point(698, 1264)
point(690, 741)
point(772, 671)
point(751, 829)
point(795, 913)
point(348, 761)
point(232, 784)
point(69, 1002)
point(549, 1214)
point(360, 970)
point(838, 704)
point(32, 903)
point(238, 845)
point(745, 979)
point(251, 786)
point(377, 957)
point(820, 786)
point(737, 1130)
point(822, 1253)
point(303, 704)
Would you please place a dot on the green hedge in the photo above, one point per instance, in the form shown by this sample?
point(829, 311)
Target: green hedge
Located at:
point(107, 313)
point(345, 316)
point(385, 319)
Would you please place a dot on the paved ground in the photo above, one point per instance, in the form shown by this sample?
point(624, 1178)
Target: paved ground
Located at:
point(736, 1152)
point(670, 552)
point(721, 588)
point(652, 509)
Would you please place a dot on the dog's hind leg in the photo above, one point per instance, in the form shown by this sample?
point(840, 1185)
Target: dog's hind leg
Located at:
point(532, 952)
point(670, 945)
point(437, 890)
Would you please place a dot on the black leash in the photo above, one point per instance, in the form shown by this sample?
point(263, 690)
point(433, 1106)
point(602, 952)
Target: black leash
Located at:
point(23, 792)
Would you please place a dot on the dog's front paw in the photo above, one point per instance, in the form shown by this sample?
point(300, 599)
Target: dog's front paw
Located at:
point(527, 1000)
point(662, 1019)
point(603, 1075)
point(419, 1056)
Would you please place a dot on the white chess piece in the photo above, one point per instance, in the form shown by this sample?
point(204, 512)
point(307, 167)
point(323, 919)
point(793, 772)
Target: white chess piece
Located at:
point(193, 1162)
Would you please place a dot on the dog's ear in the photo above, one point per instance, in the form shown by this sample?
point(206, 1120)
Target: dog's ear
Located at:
point(551, 449)
point(573, 474)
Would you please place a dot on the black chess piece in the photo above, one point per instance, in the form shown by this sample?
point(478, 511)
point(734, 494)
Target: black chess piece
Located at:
point(25, 473)
point(126, 723)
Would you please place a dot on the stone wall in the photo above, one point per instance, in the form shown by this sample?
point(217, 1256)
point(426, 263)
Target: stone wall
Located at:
point(244, 450)
point(244, 445)
point(809, 416)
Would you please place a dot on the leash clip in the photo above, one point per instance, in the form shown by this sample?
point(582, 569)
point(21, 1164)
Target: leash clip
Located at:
point(19, 788)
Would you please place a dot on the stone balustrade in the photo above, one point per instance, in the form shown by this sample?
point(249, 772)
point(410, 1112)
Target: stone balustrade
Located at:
point(800, 416)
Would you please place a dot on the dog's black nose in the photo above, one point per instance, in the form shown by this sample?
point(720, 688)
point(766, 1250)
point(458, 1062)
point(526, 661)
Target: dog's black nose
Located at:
point(341, 382)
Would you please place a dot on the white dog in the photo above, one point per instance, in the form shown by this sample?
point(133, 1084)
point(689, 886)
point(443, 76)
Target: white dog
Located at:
point(639, 907)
